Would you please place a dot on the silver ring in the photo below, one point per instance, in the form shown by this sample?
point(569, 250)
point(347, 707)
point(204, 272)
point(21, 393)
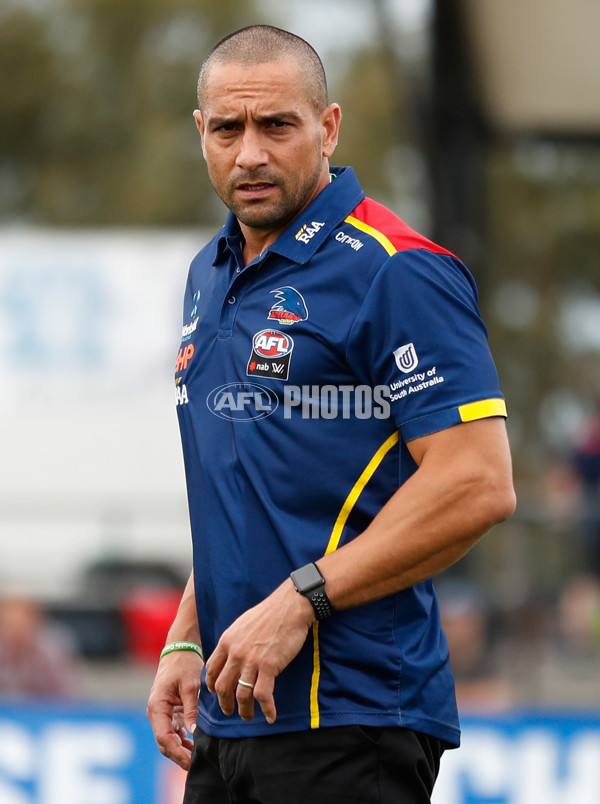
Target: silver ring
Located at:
point(246, 684)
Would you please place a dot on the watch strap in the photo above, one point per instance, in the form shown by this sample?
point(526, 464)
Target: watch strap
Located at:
point(321, 603)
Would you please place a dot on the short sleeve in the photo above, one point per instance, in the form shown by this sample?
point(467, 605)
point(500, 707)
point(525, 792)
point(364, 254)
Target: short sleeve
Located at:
point(419, 333)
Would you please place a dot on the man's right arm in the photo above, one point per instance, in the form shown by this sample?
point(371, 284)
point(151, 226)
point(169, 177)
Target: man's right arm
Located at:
point(173, 702)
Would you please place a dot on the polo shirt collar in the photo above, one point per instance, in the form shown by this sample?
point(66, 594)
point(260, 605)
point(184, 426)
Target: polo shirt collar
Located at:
point(307, 232)
point(229, 238)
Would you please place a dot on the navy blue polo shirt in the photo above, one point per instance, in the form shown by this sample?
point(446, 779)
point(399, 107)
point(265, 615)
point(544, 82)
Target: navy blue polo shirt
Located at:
point(300, 379)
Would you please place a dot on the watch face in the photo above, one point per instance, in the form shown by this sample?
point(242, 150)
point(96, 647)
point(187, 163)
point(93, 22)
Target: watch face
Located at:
point(307, 578)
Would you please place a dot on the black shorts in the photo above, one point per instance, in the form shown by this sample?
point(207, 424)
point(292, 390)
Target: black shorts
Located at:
point(362, 764)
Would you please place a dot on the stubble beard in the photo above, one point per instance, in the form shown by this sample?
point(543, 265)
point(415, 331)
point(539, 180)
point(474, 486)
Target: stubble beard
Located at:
point(269, 214)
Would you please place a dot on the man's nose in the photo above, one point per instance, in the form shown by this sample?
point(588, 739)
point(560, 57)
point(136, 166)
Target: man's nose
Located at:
point(252, 153)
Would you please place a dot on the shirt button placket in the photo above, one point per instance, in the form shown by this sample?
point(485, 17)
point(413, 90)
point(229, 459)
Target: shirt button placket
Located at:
point(234, 294)
point(230, 305)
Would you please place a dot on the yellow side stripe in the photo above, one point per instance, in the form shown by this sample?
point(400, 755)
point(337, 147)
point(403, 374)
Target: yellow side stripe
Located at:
point(381, 238)
point(336, 533)
point(481, 410)
point(334, 540)
point(314, 684)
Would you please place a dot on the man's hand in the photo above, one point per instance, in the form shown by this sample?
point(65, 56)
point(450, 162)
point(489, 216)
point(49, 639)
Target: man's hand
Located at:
point(256, 648)
point(173, 704)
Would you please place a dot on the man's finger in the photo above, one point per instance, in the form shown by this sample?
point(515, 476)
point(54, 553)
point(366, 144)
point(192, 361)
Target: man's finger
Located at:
point(214, 667)
point(186, 742)
point(170, 737)
point(225, 689)
point(162, 723)
point(171, 746)
point(189, 699)
point(263, 694)
point(245, 694)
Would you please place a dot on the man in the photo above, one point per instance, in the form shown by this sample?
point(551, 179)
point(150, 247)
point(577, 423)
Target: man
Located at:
point(341, 422)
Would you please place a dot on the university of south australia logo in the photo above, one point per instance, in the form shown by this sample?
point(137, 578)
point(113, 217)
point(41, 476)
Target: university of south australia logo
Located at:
point(271, 354)
point(406, 358)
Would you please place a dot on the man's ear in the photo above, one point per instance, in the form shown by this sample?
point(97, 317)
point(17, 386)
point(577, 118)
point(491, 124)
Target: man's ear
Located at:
point(330, 120)
point(200, 127)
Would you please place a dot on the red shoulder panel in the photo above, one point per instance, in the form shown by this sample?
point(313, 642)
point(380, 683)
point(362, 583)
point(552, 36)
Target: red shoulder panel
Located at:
point(397, 232)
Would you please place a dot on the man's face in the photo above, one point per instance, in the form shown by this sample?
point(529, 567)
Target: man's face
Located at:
point(265, 145)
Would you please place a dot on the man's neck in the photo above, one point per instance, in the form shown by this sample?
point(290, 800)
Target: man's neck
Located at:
point(256, 241)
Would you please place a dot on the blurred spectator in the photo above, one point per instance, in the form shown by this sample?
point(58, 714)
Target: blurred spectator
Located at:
point(586, 463)
point(36, 657)
point(579, 617)
point(465, 620)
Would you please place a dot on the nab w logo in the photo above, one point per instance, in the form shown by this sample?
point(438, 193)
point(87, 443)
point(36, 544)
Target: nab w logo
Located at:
point(406, 358)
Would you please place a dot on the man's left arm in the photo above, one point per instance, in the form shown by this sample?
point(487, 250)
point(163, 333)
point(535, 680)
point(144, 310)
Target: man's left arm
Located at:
point(462, 487)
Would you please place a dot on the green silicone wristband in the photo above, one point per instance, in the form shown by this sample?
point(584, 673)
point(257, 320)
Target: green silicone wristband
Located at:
point(174, 646)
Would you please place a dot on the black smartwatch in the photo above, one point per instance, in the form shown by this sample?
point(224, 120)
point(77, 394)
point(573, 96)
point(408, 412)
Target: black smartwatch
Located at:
point(310, 583)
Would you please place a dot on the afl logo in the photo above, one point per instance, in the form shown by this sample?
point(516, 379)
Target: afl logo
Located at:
point(272, 343)
point(242, 401)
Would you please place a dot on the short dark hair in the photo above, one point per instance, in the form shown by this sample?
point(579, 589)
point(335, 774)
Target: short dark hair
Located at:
point(260, 44)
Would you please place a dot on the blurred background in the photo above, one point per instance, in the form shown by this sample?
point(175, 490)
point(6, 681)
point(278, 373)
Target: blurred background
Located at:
point(479, 124)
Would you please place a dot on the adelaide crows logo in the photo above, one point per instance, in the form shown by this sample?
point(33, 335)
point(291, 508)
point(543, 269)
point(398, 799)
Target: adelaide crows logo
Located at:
point(289, 306)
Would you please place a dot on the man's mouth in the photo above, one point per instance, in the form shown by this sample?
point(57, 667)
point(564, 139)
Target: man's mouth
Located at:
point(254, 188)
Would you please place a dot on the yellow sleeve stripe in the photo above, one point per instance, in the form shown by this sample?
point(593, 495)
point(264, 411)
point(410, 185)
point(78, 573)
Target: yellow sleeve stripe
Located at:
point(482, 410)
point(381, 238)
point(334, 540)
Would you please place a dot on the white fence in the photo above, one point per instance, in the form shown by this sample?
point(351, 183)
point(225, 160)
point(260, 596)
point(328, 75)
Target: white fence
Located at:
point(90, 459)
